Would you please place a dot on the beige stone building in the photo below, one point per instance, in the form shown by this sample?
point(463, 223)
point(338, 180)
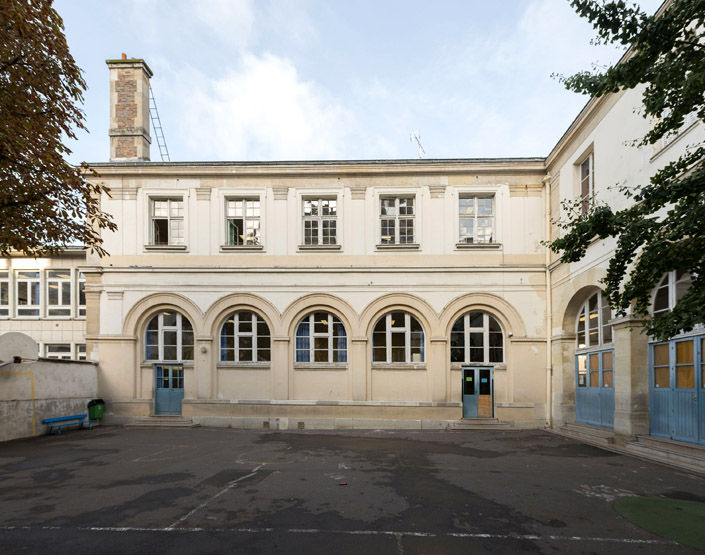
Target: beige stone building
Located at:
point(358, 294)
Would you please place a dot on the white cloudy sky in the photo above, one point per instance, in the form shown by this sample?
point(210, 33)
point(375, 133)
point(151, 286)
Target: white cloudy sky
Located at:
point(339, 79)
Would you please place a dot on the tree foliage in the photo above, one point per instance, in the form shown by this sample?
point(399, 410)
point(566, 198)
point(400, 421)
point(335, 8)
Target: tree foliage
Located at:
point(45, 202)
point(663, 227)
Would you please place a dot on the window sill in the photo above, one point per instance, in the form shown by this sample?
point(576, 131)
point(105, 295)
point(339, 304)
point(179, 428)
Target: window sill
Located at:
point(398, 366)
point(478, 246)
point(404, 247)
point(230, 365)
point(165, 247)
point(231, 248)
point(321, 366)
point(497, 366)
point(316, 248)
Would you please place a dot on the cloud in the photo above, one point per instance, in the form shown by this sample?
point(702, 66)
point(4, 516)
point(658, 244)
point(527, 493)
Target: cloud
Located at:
point(261, 110)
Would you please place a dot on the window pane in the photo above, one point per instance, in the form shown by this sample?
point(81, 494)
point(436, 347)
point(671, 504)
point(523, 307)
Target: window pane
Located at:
point(685, 377)
point(607, 360)
point(170, 352)
point(661, 357)
point(169, 318)
point(684, 352)
point(582, 370)
point(160, 232)
point(662, 377)
point(476, 319)
point(398, 319)
point(467, 206)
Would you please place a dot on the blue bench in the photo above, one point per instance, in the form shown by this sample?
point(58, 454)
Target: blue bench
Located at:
point(62, 421)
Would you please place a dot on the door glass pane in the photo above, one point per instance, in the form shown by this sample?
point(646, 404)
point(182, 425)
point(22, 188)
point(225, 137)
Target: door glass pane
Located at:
point(607, 360)
point(484, 382)
point(469, 382)
point(685, 377)
point(607, 378)
point(702, 365)
point(582, 371)
point(661, 357)
point(662, 377)
point(684, 352)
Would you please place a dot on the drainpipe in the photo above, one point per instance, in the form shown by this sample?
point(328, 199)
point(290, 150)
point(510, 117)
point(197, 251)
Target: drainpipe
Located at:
point(549, 306)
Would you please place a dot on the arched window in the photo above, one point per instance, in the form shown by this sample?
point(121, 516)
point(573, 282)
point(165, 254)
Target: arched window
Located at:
point(398, 338)
point(169, 336)
point(321, 338)
point(672, 287)
point(245, 337)
point(592, 328)
point(476, 337)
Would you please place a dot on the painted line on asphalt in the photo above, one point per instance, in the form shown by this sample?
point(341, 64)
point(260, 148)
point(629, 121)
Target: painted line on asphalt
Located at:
point(410, 534)
point(226, 489)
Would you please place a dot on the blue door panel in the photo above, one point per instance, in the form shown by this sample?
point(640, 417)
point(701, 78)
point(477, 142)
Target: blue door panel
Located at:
point(607, 407)
point(685, 415)
point(470, 391)
point(678, 413)
point(169, 388)
point(660, 412)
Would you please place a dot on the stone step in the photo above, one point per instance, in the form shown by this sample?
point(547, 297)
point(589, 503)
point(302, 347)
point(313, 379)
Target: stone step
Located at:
point(162, 421)
point(478, 424)
point(683, 455)
point(589, 434)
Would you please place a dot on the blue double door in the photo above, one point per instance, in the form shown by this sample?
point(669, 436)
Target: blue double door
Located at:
point(169, 388)
point(478, 392)
point(677, 396)
point(594, 388)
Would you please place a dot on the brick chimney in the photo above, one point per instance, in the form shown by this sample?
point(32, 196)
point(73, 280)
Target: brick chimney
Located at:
point(129, 109)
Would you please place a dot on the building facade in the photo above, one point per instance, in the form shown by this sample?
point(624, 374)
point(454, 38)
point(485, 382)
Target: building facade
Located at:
point(366, 294)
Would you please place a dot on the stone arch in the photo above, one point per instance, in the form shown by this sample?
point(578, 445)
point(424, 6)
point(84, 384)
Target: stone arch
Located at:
point(399, 301)
point(241, 301)
point(570, 313)
point(145, 308)
point(319, 301)
point(508, 317)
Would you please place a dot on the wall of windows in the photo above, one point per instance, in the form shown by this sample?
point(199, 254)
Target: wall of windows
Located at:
point(51, 293)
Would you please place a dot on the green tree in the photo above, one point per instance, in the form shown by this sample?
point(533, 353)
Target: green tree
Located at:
point(663, 228)
point(45, 202)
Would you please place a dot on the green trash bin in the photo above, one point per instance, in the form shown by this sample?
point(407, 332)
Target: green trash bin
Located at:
point(95, 409)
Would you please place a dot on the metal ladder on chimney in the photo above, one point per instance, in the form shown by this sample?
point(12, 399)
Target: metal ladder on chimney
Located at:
point(157, 125)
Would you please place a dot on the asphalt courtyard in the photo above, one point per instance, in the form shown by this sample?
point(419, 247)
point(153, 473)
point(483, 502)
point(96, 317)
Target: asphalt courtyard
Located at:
point(208, 490)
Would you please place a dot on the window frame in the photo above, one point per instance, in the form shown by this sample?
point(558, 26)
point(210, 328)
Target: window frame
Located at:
point(6, 284)
point(80, 293)
point(397, 218)
point(319, 220)
point(485, 329)
point(61, 309)
point(33, 307)
point(332, 321)
point(256, 243)
point(602, 308)
point(463, 239)
point(586, 182)
point(161, 329)
point(256, 319)
point(389, 329)
point(66, 355)
point(170, 244)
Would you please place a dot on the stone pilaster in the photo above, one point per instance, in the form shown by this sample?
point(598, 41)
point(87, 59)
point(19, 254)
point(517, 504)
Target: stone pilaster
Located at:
point(631, 379)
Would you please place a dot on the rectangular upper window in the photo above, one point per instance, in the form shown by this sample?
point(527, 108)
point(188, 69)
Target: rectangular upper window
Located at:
point(167, 222)
point(58, 292)
point(320, 221)
point(28, 288)
point(476, 219)
point(80, 351)
point(242, 222)
point(4, 293)
point(397, 220)
point(58, 350)
point(587, 183)
point(81, 294)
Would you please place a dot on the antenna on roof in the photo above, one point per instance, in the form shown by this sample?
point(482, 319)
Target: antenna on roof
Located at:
point(416, 136)
point(157, 125)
